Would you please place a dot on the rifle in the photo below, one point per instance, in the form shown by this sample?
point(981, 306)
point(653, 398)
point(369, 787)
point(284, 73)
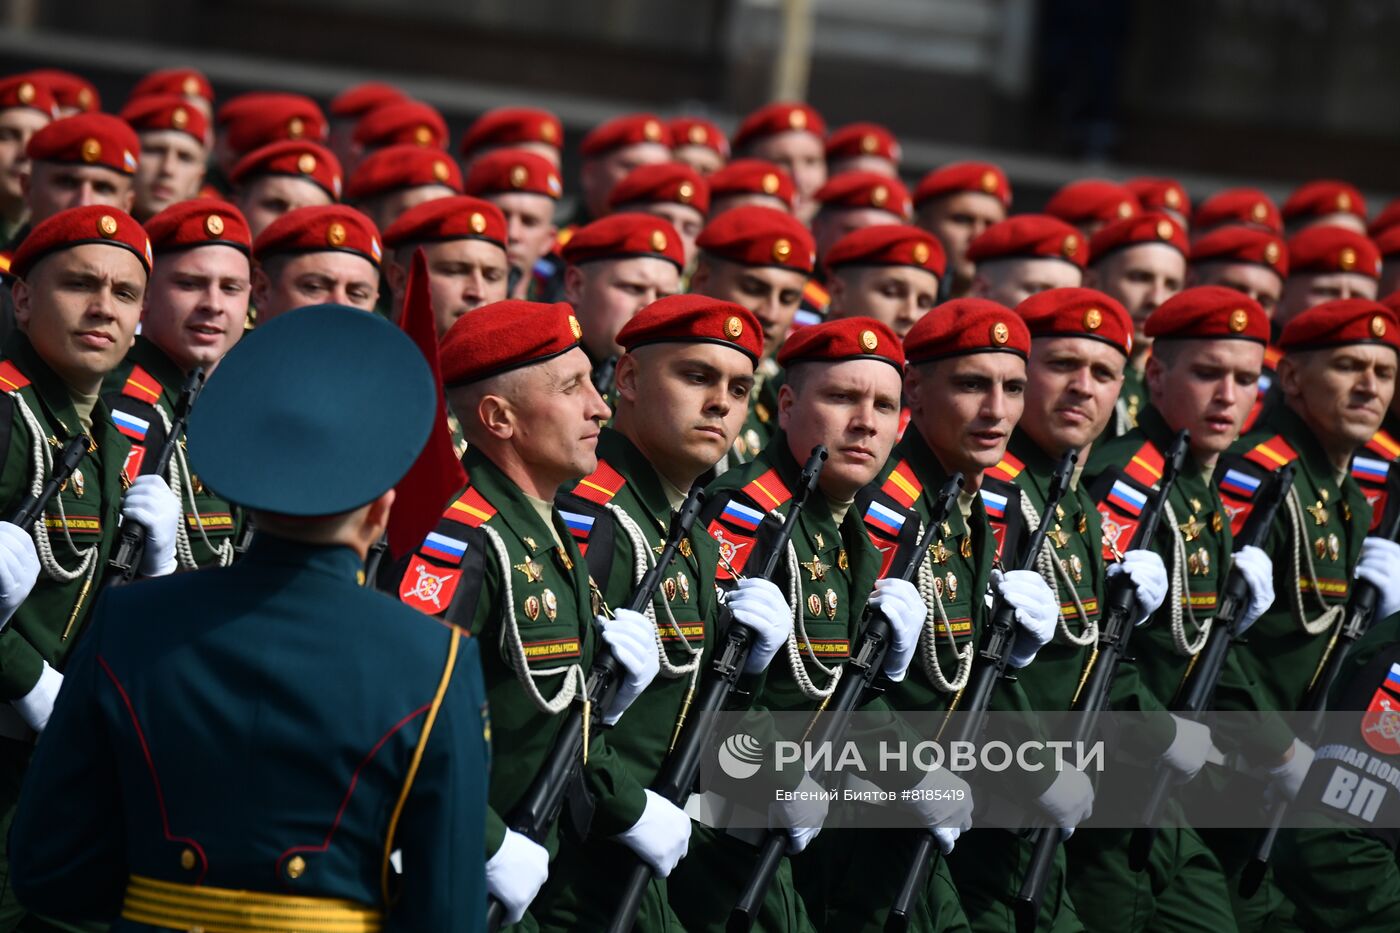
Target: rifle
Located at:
point(1092, 699)
point(32, 506)
point(538, 809)
point(678, 772)
point(1197, 690)
point(1361, 611)
point(995, 655)
point(131, 545)
point(860, 671)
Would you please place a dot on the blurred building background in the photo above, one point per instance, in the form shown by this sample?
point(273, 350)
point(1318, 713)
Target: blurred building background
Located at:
point(1215, 92)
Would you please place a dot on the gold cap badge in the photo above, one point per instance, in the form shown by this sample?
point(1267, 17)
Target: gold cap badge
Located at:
point(1378, 325)
point(306, 163)
point(575, 328)
point(869, 143)
point(879, 195)
point(733, 326)
point(1093, 318)
point(335, 234)
point(1271, 253)
point(1260, 212)
point(797, 119)
point(658, 241)
point(782, 249)
point(770, 183)
point(25, 93)
point(440, 170)
point(1239, 320)
point(548, 133)
point(1125, 210)
point(107, 225)
point(190, 86)
point(921, 252)
point(1172, 197)
point(651, 130)
point(214, 225)
point(1071, 245)
point(697, 135)
point(92, 150)
point(478, 222)
point(1164, 229)
point(518, 176)
point(868, 340)
point(422, 135)
point(685, 192)
point(296, 126)
point(989, 181)
point(179, 118)
point(1000, 333)
point(1347, 258)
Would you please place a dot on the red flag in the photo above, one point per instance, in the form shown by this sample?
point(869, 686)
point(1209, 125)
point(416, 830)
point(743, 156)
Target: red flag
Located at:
point(437, 474)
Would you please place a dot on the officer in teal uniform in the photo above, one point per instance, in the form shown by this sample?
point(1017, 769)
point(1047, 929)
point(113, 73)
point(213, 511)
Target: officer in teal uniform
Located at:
point(266, 763)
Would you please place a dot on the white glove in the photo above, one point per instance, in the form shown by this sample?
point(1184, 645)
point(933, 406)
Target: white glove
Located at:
point(801, 818)
point(1258, 572)
point(1149, 576)
point(1026, 592)
point(515, 874)
point(759, 606)
point(1380, 564)
point(36, 706)
point(661, 836)
point(19, 568)
point(899, 600)
point(632, 638)
point(1288, 777)
point(1069, 801)
point(150, 502)
point(1189, 749)
point(948, 817)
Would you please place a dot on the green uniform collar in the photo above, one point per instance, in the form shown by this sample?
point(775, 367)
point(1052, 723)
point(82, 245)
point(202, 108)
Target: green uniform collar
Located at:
point(153, 360)
point(619, 451)
point(1040, 466)
point(1280, 419)
point(921, 457)
point(512, 506)
point(815, 509)
point(51, 389)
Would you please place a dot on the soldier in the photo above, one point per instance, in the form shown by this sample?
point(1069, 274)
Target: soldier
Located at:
point(74, 93)
point(863, 147)
point(195, 312)
point(535, 131)
point(751, 182)
point(1139, 262)
point(526, 188)
point(503, 565)
point(25, 108)
point(1165, 195)
point(1027, 254)
point(1251, 261)
point(1208, 346)
point(80, 279)
point(346, 109)
point(389, 181)
point(190, 84)
point(251, 121)
point(855, 200)
point(890, 272)
point(312, 254)
point(1327, 263)
point(699, 143)
point(759, 258)
point(77, 161)
point(672, 191)
point(1324, 203)
point(790, 136)
point(141, 743)
point(1248, 206)
point(1092, 204)
point(282, 177)
point(1388, 245)
point(463, 240)
point(171, 166)
point(681, 397)
point(842, 391)
point(610, 152)
point(398, 123)
point(1335, 382)
point(616, 267)
point(957, 203)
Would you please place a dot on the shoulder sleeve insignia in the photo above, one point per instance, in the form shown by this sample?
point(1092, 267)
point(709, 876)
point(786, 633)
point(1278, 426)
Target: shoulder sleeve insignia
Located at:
point(1121, 498)
point(471, 509)
point(996, 498)
point(131, 426)
point(1007, 469)
point(1272, 454)
point(580, 526)
point(428, 587)
point(1239, 480)
point(1380, 727)
point(902, 485)
point(602, 485)
point(768, 491)
point(142, 386)
point(734, 548)
point(11, 379)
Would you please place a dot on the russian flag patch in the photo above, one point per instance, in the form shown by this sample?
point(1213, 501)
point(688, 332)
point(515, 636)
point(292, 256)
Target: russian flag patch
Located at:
point(1240, 484)
point(443, 547)
point(1367, 470)
point(995, 504)
point(742, 515)
point(579, 525)
point(884, 519)
point(1127, 498)
point(130, 425)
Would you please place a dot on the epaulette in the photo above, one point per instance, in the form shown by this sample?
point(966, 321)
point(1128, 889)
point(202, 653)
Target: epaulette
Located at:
point(1146, 465)
point(902, 485)
point(1007, 469)
point(11, 379)
point(816, 295)
point(142, 386)
point(1272, 454)
point(1272, 356)
point(1383, 445)
point(600, 486)
point(768, 490)
point(1371, 470)
point(471, 509)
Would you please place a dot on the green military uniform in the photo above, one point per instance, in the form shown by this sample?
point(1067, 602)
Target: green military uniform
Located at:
point(1132, 399)
point(142, 394)
point(762, 419)
point(76, 533)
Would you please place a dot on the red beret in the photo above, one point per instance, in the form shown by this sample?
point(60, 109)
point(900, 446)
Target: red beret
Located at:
point(625, 236)
point(1078, 312)
point(760, 236)
point(694, 319)
point(1242, 244)
point(1238, 206)
point(24, 91)
point(1134, 231)
point(325, 228)
point(68, 89)
point(858, 139)
point(87, 139)
point(1388, 242)
point(695, 131)
point(889, 245)
point(1209, 312)
point(441, 219)
point(183, 82)
point(753, 176)
point(851, 338)
point(95, 223)
point(1093, 199)
point(1392, 301)
point(778, 118)
point(1341, 322)
point(1030, 236)
point(355, 102)
point(510, 171)
point(252, 120)
point(506, 335)
point(292, 157)
point(1333, 249)
point(403, 166)
point(1156, 194)
point(1324, 196)
point(402, 122)
point(166, 112)
point(630, 130)
point(981, 177)
point(967, 325)
point(866, 189)
point(199, 222)
point(1387, 218)
point(662, 183)
point(510, 126)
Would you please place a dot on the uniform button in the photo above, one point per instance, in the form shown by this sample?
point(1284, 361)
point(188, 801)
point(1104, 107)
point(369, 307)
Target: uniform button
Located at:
point(187, 859)
point(296, 867)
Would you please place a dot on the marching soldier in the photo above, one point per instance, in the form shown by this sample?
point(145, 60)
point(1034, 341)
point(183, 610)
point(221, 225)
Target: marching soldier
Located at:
point(172, 158)
point(1092, 204)
point(389, 181)
point(699, 143)
point(1165, 195)
point(1026, 254)
point(25, 108)
point(681, 396)
point(196, 308)
point(346, 109)
point(672, 191)
point(281, 177)
point(751, 182)
point(790, 136)
point(850, 202)
point(251, 121)
point(1327, 263)
point(81, 276)
point(502, 564)
point(398, 123)
point(300, 733)
point(74, 93)
point(526, 188)
point(610, 152)
point(464, 242)
point(863, 147)
point(314, 254)
point(890, 272)
point(523, 128)
point(1249, 207)
point(1253, 262)
point(1324, 203)
point(957, 203)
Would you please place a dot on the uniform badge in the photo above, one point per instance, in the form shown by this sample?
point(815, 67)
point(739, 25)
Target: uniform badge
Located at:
point(1083, 524)
point(1073, 567)
point(196, 484)
point(938, 553)
point(533, 572)
point(1380, 726)
point(530, 543)
point(1192, 529)
point(947, 530)
point(1346, 512)
point(965, 546)
point(761, 410)
point(595, 598)
point(1195, 504)
point(1059, 512)
point(78, 483)
point(1320, 547)
point(669, 586)
point(821, 542)
point(1334, 547)
point(1058, 536)
point(550, 603)
point(938, 587)
point(532, 608)
point(1318, 512)
point(685, 548)
point(816, 568)
point(814, 605)
point(842, 560)
point(427, 587)
point(831, 604)
point(952, 579)
point(683, 587)
point(1216, 522)
point(564, 558)
point(752, 439)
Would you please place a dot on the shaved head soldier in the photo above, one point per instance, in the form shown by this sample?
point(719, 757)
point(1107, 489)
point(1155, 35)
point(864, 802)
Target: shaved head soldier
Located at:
point(957, 203)
point(790, 135)
point(315, 254)
point(464, 242)
point(526, 188)
point(1027, 254)
point(282, 177)
point(173, 155)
